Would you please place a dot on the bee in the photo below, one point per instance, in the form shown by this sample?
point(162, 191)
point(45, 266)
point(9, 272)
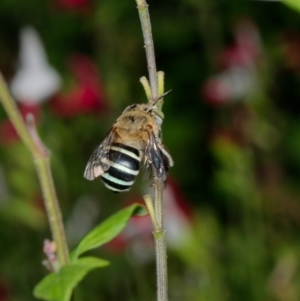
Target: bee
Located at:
point(135, 139)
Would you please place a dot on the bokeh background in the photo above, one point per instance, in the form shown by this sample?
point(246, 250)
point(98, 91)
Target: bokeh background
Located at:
point(232, 203)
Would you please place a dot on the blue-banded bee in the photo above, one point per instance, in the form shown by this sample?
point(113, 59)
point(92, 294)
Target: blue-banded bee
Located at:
point(134, 140)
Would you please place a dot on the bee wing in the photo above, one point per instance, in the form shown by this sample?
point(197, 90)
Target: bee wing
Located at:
point(155, 157)
point(98, 162)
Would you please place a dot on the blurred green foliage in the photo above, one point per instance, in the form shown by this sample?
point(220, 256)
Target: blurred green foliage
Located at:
point(237, 164)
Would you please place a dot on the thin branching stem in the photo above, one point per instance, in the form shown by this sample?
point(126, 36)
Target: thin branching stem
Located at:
point(159, 233)
point(41, 158)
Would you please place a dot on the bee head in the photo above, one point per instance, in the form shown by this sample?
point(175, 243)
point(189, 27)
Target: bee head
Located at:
point(134, 119)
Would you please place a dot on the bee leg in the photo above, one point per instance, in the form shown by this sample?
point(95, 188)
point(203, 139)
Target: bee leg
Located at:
point(155, 158)
point(167, 159)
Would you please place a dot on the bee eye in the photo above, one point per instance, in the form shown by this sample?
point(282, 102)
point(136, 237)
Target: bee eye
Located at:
point(130, 108)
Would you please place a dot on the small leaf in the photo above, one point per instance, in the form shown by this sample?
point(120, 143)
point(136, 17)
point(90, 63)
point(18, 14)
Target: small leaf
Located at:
point(294, 4)
point(107, 230)
point(59, 286)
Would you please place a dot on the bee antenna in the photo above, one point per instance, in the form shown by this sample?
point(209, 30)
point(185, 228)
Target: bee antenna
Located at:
point(162, 96)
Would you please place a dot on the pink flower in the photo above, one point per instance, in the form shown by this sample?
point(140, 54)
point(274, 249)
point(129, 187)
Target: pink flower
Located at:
point(87, 96)
point(247, 46)
point(237, 78)
point(231, 85)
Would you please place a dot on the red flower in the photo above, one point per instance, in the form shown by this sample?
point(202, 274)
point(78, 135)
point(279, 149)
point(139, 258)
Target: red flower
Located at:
point(79, 5)
point(237, 55)
point(237, 78)
point(247, 46)
point(87, 96)
point(232, 85)
point(4, 291)
point(216, 92)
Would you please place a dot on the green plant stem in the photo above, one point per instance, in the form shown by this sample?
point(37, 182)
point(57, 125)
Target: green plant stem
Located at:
point(158, 201)
point(160, 243)
point(52, 207)
point(15, 117)
point(159, 233)
point(161, 265)
point(149, 46)
point(41, 158)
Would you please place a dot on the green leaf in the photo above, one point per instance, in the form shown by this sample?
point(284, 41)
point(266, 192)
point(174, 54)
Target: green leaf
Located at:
point(107, 230)
point(59, 286)
point(294, 4)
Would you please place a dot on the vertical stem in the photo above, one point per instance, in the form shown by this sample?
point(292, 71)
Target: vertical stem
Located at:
point(160, 243)
point(158, 201)
point(159, 233)
point(41, 157)
point(161, 266)
point(156, 215)
point(52, 208)
point(15, 116)
point(149, 46)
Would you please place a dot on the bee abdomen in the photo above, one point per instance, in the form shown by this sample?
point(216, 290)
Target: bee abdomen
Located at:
point(124, 164)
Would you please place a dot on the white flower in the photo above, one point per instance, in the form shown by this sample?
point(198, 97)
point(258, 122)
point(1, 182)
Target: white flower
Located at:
point(36, 80)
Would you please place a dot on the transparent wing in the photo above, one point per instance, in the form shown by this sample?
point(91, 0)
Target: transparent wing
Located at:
point(98, 162)
point(155, 158)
